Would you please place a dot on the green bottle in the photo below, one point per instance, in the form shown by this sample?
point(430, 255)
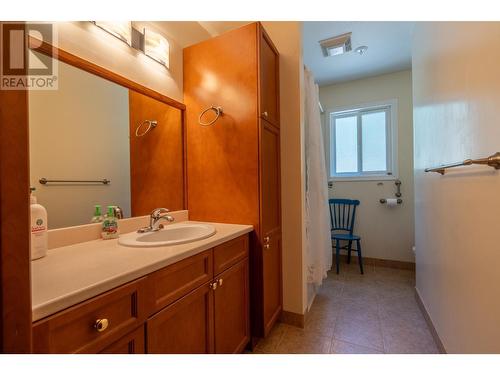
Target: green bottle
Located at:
point(110, 225)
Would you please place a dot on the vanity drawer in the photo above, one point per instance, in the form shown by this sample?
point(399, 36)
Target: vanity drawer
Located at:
point(92, 325)
point(175, 281)
point(230, 253)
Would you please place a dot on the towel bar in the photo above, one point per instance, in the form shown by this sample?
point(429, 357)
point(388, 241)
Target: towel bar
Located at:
point(104, 181)
point(491, 161)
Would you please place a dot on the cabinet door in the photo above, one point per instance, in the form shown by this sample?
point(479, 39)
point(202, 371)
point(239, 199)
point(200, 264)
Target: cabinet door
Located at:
point(270, 180)
point(133, 343)
point(269, 80)
point(184, 327)
point(271, 225)
point(232, 323)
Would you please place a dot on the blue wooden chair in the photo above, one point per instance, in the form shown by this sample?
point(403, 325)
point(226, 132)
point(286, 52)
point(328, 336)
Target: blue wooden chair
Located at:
point(342, 215)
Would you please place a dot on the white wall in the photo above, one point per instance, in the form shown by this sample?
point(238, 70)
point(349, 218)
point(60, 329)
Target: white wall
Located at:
point(387, 233)
point(80, 132)
point(456, 95)
point(287, 36)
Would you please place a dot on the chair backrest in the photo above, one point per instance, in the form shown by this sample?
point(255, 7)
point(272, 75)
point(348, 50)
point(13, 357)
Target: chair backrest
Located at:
point(342, 214)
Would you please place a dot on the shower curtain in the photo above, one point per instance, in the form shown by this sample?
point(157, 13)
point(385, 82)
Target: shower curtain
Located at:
point(318, 238)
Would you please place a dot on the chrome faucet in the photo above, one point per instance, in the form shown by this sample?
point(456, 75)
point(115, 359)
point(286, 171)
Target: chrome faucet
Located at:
point(154, 220)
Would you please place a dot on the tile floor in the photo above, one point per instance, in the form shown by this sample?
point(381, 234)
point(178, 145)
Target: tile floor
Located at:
point(352, 313)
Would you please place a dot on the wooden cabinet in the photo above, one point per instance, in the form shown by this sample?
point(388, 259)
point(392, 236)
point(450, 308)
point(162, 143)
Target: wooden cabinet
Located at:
point(231, 301)
point(184, 327)
point(197, 305)
point(214, 318)
point(271, 225)
point(233, 166)
point(148, 174)
point(132, 343)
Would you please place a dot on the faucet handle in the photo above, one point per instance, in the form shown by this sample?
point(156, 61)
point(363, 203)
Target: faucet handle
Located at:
point(158, 211)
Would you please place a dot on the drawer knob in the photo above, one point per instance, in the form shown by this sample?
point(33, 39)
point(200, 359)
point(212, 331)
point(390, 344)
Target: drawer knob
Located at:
point(213, 286)
point(265, 114)
point(266, 239)
point(267, 246)
point(101, 325)
point(220, 282)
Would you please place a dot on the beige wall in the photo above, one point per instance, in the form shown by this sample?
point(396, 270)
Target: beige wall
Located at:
point(456, 95)
point(287, 36)
point(80, 132)
point(386, 233)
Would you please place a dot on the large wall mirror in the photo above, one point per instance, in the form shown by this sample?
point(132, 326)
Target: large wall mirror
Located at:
point(95, 142)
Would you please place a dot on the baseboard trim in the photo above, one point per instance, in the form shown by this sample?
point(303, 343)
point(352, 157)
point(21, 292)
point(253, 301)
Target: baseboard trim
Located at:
point(430, 324)
point(293, 319)
point(389, 263)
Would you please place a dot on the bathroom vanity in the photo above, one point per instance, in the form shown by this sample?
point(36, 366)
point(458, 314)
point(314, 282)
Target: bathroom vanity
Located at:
point(101, 297)
point(128, 147)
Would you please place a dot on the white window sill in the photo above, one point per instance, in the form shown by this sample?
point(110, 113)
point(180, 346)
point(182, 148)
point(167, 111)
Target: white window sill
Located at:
point(363, 178)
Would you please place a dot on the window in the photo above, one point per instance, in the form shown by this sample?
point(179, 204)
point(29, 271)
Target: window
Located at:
point(363, 142)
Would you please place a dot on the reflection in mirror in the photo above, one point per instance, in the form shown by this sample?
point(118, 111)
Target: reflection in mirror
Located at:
point(86, 131)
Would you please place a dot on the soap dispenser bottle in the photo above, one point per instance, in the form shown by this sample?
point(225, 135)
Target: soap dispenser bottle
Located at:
point(97, 218)
point(39, 235)
point(110, 225)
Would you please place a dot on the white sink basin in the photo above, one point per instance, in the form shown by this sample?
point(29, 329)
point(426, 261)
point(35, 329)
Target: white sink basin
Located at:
point(173, 234)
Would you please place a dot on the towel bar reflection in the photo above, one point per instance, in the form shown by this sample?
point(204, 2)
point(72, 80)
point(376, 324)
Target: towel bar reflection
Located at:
point(104, 181)
point(491, 161)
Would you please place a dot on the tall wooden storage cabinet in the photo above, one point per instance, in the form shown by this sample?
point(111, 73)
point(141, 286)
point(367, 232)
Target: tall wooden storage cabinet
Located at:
point(233, 166)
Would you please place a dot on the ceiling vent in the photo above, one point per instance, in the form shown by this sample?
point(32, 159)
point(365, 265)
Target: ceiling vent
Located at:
point(337, 45)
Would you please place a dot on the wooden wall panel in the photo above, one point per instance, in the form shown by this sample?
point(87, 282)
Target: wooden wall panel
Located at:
point(223, 165)
point(157, 158)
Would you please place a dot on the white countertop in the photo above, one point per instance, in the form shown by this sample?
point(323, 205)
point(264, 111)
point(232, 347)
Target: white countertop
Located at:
point(71, 274)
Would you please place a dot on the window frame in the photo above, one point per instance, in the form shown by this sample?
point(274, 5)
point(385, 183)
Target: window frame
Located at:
point(390, 107)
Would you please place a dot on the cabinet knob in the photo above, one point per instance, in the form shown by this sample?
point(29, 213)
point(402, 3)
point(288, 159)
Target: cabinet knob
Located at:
point(265, 114)
point(213, 285)
point(267, 246)
point(266, 239)
point(220, 282)
point(101, 325)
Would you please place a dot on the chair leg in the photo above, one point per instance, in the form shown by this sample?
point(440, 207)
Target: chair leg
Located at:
point(337, 254)
point(360, 259)
point(349, 252)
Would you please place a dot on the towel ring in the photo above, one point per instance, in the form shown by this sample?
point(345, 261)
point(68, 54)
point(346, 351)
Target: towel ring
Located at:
point(151, 125)
point(218, 112)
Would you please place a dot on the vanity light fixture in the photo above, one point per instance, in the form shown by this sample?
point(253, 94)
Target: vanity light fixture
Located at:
point(337, 45)
point(156, 47)
point(152, 44)
point(121, 29)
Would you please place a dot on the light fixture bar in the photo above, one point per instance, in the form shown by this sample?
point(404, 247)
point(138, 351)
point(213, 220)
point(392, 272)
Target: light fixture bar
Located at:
point(121, 30)
point(151, 43)
point(157, 47)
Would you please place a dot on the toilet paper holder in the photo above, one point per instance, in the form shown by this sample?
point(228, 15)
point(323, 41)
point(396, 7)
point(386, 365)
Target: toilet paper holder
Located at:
point(384, 201)
point(397, 194)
